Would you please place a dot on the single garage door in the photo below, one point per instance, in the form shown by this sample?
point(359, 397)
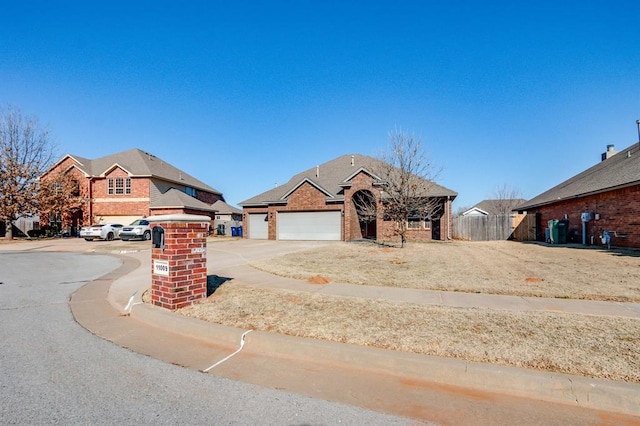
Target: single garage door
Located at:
point(309, 226)
point(258, 226)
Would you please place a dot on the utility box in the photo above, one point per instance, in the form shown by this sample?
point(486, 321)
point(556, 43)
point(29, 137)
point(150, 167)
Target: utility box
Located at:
point(178, 259)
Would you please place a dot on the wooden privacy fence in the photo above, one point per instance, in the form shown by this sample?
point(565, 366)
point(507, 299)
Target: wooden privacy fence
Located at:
point(493, 227)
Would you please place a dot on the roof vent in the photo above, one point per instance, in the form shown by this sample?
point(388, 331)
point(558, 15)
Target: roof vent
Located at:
point(317, 171)
point(352, 161)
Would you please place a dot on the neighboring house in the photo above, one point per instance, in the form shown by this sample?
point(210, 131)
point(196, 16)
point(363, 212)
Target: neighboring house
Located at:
point(494, 207)
point(128, 185)
point(605, 197)
point(226, 217)
point(24, 224)
point(491, 220)
point(21, 226)
point(317, 204)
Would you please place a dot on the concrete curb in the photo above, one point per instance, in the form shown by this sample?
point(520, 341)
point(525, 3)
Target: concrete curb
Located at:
point(552, 387)
point(560, 388)
point(191, 327)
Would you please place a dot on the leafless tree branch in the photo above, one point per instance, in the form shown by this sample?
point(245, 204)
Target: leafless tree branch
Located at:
point(506, 198)
point(407, 177)
point(26, 152)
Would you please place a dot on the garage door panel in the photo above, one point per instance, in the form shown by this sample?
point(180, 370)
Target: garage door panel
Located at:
point(258, 226)
point(311, 226)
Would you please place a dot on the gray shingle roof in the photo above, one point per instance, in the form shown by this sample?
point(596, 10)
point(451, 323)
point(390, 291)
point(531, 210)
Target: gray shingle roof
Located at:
point(140, 163)
point(494, 207)
point(174, 198)
point(224, 208)
point(328, 177)
point(618, 171)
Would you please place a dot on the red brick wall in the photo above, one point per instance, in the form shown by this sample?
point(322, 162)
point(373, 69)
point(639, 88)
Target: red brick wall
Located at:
point(362, 181)
point(618, 210)
point(306, 197)
point(134, 204)
point(185, 252)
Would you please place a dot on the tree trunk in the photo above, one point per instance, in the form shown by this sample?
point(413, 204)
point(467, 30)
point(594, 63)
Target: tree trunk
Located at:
point(8, 234)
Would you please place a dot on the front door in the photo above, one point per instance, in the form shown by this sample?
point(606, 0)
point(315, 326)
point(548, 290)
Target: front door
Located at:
point(435, 229)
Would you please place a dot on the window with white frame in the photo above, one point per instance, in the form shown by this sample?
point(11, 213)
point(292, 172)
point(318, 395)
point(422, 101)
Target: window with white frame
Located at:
point(190, 191)
point(119, 186)
point(414, 223)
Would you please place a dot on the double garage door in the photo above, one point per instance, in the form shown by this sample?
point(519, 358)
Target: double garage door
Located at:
point(305, 226)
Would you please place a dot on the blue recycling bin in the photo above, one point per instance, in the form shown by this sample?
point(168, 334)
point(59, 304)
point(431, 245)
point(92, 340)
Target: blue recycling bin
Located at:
point(239, 231)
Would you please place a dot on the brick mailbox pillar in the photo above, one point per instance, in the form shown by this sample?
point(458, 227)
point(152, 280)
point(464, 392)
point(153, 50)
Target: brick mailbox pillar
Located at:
point(178, 259)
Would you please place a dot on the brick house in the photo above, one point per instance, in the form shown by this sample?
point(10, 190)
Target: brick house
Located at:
point(128, 185)
point(227, 217)
point(318, 204)
point(605, 197)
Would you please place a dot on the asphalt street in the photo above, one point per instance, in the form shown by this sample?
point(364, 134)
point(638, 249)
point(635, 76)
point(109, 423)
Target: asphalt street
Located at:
point(56, 372)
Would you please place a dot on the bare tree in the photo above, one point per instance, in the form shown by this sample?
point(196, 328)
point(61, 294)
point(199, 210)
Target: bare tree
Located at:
point(407, 178)
point(59, 195)
point(26, 151)
point(506, 198)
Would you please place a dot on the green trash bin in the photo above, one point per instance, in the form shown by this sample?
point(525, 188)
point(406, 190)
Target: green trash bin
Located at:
point(563, 231)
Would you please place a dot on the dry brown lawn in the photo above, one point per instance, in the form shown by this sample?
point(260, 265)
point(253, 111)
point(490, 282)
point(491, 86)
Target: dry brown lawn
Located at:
point(495, 267)
point(595, 346)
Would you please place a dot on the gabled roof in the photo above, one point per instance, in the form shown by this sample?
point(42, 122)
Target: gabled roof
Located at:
point(174, 198)
point(495, 207)
point(224, 208)
point(310, 182)
point(618, 171)
point(475, 211)
point(330, 178)
point(138, 163)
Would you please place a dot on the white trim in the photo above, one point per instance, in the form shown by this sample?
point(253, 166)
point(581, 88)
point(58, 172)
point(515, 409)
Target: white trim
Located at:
point(360, 170)
point(112, 167)
point(474, 210)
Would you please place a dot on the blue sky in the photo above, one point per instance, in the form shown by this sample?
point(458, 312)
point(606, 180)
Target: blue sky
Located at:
point(243, 95)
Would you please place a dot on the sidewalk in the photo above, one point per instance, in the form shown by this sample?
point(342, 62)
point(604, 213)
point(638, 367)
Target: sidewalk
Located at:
point(576, 391)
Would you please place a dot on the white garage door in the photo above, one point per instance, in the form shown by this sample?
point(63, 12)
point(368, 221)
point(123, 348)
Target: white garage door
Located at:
point(309, 226)
point(258, 226)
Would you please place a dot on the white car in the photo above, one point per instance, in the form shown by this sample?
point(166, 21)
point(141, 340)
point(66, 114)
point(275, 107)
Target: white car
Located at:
point(138, 229)
point(107, 231)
